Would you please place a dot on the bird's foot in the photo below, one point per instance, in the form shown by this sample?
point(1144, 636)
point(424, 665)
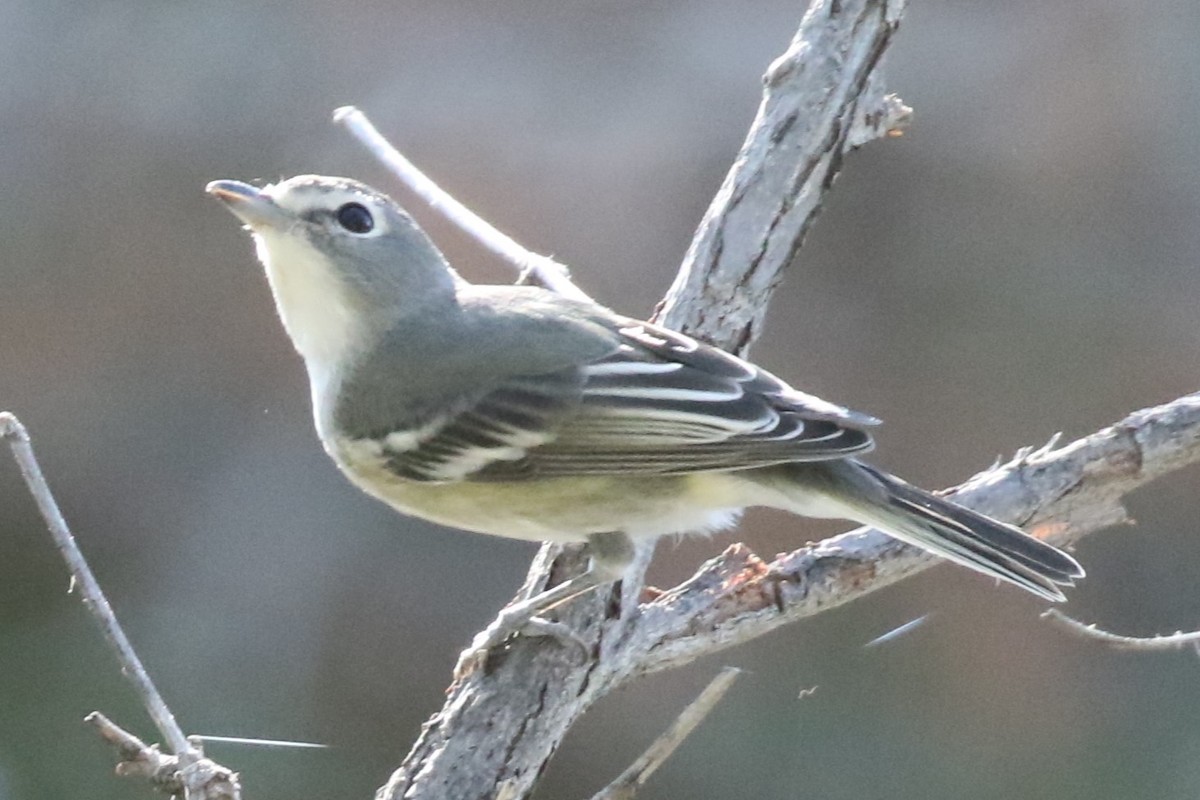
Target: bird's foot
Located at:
point(507, 625)
point(523, 617)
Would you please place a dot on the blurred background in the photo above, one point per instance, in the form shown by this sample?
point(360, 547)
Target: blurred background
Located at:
point(1023, 261)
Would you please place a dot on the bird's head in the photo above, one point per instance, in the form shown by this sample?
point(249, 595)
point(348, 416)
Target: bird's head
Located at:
point(342, 258)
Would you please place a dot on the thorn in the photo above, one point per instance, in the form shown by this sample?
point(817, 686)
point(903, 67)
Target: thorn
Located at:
point(896, 633)
point(257, 742)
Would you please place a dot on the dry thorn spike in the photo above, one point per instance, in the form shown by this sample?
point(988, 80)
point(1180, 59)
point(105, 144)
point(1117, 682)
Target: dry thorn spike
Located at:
point(899, 630)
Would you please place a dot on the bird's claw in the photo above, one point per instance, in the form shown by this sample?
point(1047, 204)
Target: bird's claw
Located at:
point(508, 625)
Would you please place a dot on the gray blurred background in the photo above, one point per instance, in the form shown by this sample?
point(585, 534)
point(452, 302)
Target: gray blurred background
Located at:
point(1023, 261)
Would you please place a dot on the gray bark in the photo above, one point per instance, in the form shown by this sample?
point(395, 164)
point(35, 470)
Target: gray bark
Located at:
point(824, 96)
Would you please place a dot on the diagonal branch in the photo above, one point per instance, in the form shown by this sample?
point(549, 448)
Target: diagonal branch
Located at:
point(823, 97)
point(193, 777)
point(542, 269)
point(187, 773)
point(501, 723)
point(93, 596)
point(627, 784)
point(1062, 493)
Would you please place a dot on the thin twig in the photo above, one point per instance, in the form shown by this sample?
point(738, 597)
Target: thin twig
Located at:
point(547, 271)
point(90, 591)
point(138, 759)
point(1174, 641)
point(193, 778)
point(628, 782)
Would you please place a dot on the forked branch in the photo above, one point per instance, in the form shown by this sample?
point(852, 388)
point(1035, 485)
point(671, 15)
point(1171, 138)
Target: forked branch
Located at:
point(187, 772)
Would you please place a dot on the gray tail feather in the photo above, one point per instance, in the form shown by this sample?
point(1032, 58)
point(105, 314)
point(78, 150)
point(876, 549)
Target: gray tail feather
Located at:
point(967, 537)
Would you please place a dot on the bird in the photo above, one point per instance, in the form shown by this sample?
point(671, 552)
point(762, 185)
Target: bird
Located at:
point(514, 411)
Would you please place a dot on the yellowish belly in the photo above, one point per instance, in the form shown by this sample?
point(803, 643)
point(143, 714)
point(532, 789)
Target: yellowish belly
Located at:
point(561, 509)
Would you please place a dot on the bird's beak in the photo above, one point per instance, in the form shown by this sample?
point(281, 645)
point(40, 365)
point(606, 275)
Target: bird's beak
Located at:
point(250, 204)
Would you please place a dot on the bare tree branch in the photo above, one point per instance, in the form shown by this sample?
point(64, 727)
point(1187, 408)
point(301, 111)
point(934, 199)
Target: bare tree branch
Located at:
point(823, 97)
point(542, 269)
point(90, 592)
point(627, 784)
point(196, 778)
point(1064, 493)
point(500, 725)
point(1174, 641)
point(187, 772)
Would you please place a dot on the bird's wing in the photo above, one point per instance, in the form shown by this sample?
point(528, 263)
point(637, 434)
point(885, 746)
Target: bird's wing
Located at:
point(659, 403)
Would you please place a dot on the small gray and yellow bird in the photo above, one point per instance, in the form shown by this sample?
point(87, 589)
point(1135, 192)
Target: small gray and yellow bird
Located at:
point(514, 411)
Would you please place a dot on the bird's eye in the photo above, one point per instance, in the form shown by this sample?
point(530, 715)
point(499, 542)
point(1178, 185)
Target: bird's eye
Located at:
point(355, 218)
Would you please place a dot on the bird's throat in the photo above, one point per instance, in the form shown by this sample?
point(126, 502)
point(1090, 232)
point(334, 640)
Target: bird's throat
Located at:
point(315, 308)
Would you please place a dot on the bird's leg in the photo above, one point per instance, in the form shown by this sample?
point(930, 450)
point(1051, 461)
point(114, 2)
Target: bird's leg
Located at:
point(611, 554)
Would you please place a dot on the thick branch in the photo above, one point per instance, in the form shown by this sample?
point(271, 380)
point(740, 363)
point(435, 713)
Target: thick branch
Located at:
point(500, 725)
point(1062, 493)
point(822, 97)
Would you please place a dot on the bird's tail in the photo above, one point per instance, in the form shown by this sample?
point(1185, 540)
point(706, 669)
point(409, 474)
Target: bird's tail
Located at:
point(949, 530)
